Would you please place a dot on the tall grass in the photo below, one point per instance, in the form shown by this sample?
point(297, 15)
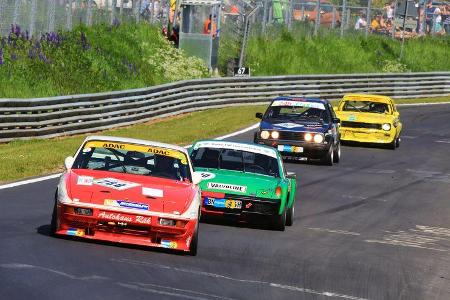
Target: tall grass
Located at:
point(281, 52)
point(91, 59)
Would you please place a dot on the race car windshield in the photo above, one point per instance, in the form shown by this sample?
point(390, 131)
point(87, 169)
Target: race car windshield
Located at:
point(366, 106)
point(235, 160)
point(297, 113)
point(133, 159)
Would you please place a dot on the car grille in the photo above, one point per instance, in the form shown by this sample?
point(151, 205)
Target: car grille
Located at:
point(360, 125)
point(291, 136)
point(256, 205)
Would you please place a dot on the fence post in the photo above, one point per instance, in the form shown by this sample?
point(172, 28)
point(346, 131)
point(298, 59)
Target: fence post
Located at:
point(433, 24)
point(69, 15)
point(343, 16)
point(89, 13)
point(121, 11)
point(333, 20)
point(369, 19)
point(424, 21)
point(317, 23)
point(113, 9)
point(394, 17)
point(51, 15)
point(403, 31)
point(33, 17)
point(265, 11)
point(16, 11)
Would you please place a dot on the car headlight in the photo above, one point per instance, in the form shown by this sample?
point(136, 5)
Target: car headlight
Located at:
point(275, 134)
point(386, 126)
point(264, 134)
point(308, 137)
point(318, 138)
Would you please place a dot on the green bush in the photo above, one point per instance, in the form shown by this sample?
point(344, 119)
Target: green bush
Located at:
point(91, 59)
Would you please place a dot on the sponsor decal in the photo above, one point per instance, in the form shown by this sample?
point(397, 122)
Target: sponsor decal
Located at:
point(152, 192)
point(288, 125)
point(115, 184)
point(118, 217)
point(207, 175)
point(125, 204)
point(169, 244)
point(236, 146)
point(75, 232)
point(352, 118)
point(298, 104)
point(227, 187)
point(85, 180)
point(248, 205)
point(86, 150)
point(139, 148)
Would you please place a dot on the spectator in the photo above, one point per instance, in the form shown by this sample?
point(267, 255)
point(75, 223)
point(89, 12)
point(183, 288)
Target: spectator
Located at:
point(437, 28)
point(207, 26)
point(377, 24)
point(389, 11)
point(446, 18)
point(361, 23)
point(429, 12)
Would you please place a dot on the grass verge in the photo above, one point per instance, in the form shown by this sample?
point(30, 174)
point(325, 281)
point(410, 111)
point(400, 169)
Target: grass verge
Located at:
point(21, 159)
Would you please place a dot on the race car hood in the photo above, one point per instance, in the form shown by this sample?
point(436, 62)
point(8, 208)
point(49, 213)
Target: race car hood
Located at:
point(129, 191)
point(318, 127)
point(364, 117)
point(238, 183)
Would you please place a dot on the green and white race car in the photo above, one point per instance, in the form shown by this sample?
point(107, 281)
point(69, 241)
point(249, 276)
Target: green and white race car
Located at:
point(241, 179)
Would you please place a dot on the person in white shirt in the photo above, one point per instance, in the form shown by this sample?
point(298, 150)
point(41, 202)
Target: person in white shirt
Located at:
point(361, 23)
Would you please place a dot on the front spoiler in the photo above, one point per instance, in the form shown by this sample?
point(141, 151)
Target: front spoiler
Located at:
point(367, 136)
point(310, 150)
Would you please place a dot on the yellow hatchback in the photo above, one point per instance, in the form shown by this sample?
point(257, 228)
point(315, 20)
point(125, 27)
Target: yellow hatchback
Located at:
point(369, 119)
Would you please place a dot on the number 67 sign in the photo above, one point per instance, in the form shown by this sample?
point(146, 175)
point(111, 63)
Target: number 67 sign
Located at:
point(242, 72)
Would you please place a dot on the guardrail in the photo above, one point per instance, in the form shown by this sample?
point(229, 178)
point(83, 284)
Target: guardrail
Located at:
point(58, 116)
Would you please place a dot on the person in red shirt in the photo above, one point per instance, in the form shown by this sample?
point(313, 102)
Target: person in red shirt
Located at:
point(207, 26)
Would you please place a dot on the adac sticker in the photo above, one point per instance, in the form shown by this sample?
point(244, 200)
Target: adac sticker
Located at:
point(169, 244)
point(140, 148)
point(126, 204)
point(115, 184)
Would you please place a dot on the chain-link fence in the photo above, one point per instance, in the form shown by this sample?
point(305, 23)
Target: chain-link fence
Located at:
point(40, 16)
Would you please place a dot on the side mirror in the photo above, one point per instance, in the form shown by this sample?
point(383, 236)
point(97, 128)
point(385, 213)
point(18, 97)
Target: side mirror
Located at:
point(68, 162)
point(196, 177)
point(396, 113)
point(259, 115)
point(291, 175)
point(336, 108)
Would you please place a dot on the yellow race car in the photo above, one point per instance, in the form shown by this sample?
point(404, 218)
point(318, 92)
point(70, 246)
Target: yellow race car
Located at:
point(369, 119)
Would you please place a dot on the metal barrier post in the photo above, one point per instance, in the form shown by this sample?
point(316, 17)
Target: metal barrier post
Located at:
point(264, 22)
point(113, 9)
point(369, 19)
point(333, 20)
point(424, 21)
point(16, 11)
point(317, 23)
point(403, 29)
point(393, 19)
point(433, 25)
point(51, 15)
point(343, 16)
point(121, 11)
point(347, 20)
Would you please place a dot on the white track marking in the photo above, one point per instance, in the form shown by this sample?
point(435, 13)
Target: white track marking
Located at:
point(424, 237)
point(334, 231)
point(422, 104)
point(180, 293)
point(354, 197)
point(379, 171)
point(443, 141)
point(219, 276)
point(29, 181)
point(48, 177)
point(408, 137)
point(26, 266)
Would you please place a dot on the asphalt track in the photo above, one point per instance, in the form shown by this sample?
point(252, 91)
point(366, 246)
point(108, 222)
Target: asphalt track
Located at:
point(375, 226)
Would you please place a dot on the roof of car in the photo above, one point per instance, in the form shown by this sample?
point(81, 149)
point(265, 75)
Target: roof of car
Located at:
point(134, 141)
point(300, 98)
point(368, 97)
point(252, 145)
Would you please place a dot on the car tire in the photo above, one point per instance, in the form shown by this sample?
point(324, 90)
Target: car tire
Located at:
point(279, 222)
point(328, 159)
point(393, 145)
point(337, 153)
point(194, 243)
point(397, 142)
point(254, 138)
point(290, 215)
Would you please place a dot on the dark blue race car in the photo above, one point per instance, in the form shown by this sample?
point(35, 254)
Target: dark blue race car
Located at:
point(301, 129)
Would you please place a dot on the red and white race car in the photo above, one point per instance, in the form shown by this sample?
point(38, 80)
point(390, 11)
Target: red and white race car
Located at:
point(129, 191)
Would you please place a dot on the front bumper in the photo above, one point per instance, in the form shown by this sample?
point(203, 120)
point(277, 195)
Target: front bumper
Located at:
point(367, 135)
point(308, 149)
point(125, 227)
point(250, 206)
